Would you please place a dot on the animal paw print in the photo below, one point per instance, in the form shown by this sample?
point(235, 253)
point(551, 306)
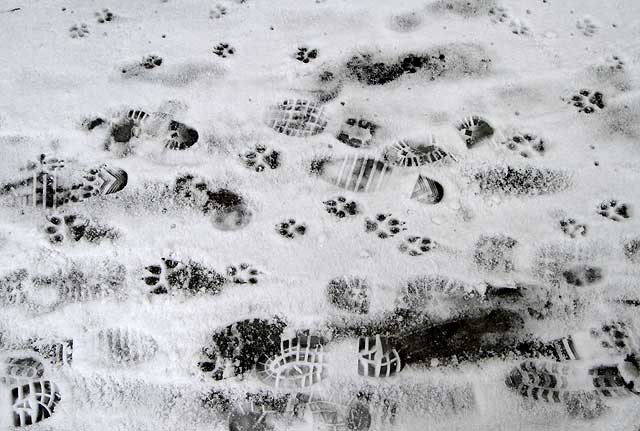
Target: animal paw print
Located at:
point(582, 275)
point(614, 210)
point(151, 61)
point(588, 26)
point(243, 274)
point(357, 133)
point(615, 62)
point(62, 228)
point(105, 15)
point(260, 157)
point(223, 49)
point(520, 27)
point(290, 228)
point(499, 14)
point(217, 12)
point(190, 276)
point(525, 145)
point(341, 207)
point(180, 136)
point(416, 245)
point(76, 31)
point(305, 54)
point(384, 226)
point(572, 228)
point(587, 101)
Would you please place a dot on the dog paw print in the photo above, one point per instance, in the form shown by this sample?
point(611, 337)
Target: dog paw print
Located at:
point(519, 27)
point(384, 226)
point(587, 101)
point(76, 30)
point(243, 274)
point(64, 228)
point(357, 132)
point(217, 12)
point(341, 207)
point(416, 245)
point(105, 15)
point(151, 61)
point(499, 14)
point(572, 228)
point(614, 210)
point(223, 49)
point(260, 157)
point(582, 275)
point(305, 54)
point(588, 26)
point(526, 145)
point(290, 228)
point(172, 275)
point(615, 62)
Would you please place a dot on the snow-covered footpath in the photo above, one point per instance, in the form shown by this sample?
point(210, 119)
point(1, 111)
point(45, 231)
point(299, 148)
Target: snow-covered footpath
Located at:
point(319, 215)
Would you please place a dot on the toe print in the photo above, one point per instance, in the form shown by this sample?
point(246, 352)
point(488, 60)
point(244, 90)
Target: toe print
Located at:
point(572, 228)
point(357, 132)
point(243, 274)
point(223, 50)
point(76, 31)
point(305, 55)
point(384, 226)
point(587, 101)
point(291, 229)
point(341, 207)
point(191, 277)
point(525, 145)
point(614, 210)
point(475, 130)
point(260, 158)
point(416, 245)
point(105, 15)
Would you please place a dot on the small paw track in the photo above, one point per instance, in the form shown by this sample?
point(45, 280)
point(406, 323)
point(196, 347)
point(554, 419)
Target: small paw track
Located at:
point(384, 225)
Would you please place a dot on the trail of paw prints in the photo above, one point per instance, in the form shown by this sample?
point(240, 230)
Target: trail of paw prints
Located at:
point(614, 210)
point(416, 245)
point(217, 12)
point(341, 207)
point(171, 276)
point(73, 227)
point(525, 145)
point(587, 26)
point(260, 157)
point(103, 16)
point(572, 228)
point(243, 274)
point(305, 55)
point(79, 31)
point(587, 101)
point(291, 228)
point(384, 225)
point(223, 50)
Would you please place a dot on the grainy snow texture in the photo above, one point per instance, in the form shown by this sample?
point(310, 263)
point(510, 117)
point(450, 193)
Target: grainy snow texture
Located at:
point(319, 215)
